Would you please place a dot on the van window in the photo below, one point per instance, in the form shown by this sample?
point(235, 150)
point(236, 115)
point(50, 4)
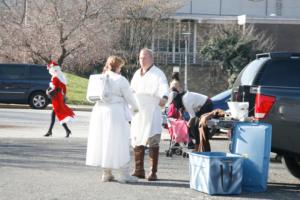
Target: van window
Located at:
point(12, 71)
point(39, 72)
point(281, 73)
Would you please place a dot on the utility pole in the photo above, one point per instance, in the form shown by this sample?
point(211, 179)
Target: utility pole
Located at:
point(186, 37)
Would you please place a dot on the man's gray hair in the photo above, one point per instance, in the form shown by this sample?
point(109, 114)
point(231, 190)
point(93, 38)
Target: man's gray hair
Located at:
point(149, 51)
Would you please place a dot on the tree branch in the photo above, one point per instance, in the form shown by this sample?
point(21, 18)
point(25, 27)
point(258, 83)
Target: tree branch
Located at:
point(5, 4)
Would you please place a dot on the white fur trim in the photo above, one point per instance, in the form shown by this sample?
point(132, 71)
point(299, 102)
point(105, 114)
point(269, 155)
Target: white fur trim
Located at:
point(52, 71)
point(55, 71)
point(60, 75)
point(56, 68)
point(67, 119)
point(51, 85)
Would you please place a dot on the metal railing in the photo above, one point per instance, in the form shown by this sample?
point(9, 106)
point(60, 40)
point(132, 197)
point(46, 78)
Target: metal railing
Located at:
point(166, 58)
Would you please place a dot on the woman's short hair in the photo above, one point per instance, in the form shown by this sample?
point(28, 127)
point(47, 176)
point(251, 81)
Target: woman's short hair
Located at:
point(113, 62)
point(175, 76)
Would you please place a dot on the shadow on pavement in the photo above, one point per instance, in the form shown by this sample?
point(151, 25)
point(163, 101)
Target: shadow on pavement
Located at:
point(164, 183)
point(274, 189)
point(42, 154)
point(284, 187)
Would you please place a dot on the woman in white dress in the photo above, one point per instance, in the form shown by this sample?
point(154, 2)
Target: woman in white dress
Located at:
point(109, 131)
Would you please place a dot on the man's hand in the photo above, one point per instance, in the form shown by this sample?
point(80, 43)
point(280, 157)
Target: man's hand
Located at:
point(189, 123)
point(163, 101)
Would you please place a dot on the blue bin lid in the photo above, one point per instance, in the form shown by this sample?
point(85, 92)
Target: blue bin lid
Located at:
point(215, 154)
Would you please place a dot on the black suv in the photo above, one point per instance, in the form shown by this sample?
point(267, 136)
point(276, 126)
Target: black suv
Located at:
point(24, 84)
point(271, 85)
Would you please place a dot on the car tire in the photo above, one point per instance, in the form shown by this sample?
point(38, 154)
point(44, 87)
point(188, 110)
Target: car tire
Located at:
point(38, 100)
point(292, 164)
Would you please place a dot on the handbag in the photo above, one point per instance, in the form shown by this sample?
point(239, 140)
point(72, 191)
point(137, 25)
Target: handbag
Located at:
point(99, 88)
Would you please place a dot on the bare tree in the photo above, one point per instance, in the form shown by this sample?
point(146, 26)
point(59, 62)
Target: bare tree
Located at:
point(139, 20)
point(57, 29)
point(78, 32)
point(70, 28)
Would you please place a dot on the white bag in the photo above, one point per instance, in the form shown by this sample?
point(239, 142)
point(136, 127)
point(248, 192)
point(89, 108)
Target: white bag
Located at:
point(98, 88)
point(238, 110)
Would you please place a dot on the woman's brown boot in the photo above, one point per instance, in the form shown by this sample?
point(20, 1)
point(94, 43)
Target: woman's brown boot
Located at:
point(139, 153)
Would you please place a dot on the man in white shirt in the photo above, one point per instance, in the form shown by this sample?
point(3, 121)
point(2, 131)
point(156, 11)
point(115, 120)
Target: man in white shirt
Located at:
point(150, 86)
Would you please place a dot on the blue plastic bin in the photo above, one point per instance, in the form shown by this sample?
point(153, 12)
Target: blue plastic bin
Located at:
point(216, 172)
point(253, 141)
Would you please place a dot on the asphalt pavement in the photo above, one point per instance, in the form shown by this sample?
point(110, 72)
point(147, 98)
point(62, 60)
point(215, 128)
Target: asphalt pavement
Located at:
point(34, 167)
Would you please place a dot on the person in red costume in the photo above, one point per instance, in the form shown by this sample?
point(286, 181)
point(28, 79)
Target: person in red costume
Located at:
point(57, 92)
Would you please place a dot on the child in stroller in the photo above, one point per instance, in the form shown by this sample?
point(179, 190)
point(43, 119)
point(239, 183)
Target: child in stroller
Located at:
point(178, 131)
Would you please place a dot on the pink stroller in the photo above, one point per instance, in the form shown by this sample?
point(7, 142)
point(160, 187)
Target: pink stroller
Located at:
point(179, 137)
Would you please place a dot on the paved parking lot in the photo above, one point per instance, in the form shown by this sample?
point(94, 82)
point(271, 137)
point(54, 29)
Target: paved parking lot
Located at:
point(53, 168)
point(33, 167)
